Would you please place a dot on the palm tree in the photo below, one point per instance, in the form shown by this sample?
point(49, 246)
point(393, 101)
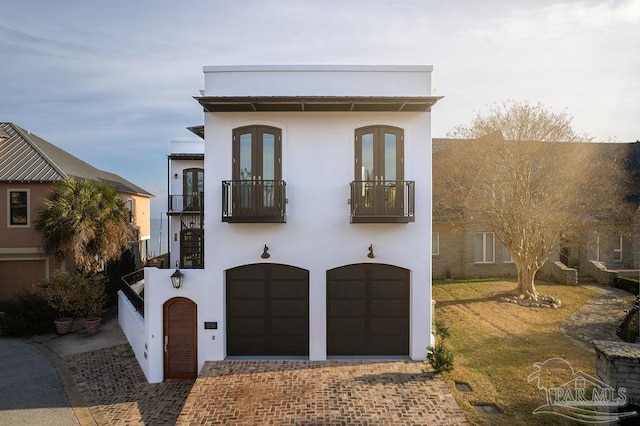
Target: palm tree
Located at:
point(85, 220)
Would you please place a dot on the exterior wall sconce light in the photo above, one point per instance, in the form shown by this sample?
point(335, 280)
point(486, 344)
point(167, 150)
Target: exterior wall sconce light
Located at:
point(265, 253)
point(177, 277)
point(371, 253)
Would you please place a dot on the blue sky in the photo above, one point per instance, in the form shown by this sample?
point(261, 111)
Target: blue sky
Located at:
point(111, 82)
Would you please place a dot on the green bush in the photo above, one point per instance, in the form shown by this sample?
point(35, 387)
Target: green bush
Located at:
point(63, 292)
point(440, 357)
point(26, 314)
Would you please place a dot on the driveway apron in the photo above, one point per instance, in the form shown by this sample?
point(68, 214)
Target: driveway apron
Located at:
point(30, 389)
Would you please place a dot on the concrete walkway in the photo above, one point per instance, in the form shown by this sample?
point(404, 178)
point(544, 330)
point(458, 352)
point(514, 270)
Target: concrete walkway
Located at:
point(599, 318)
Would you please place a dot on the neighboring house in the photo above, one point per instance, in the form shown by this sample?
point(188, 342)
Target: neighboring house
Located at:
point(469, 249)
point(29, 166)
point(317, 197)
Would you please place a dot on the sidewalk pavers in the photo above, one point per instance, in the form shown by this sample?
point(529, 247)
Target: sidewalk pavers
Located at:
point(599, 318)
point(319, 393)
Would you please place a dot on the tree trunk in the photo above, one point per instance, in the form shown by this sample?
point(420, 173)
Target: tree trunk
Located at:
point(526, 287)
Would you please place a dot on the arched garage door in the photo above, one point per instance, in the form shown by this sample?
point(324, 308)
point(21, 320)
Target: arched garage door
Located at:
point(267, 310)
point(368, 310)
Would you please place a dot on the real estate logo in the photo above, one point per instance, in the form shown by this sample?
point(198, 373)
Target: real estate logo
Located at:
point(577, 395)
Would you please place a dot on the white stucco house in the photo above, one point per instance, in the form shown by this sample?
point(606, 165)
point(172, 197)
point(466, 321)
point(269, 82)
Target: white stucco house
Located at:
point(317, 212)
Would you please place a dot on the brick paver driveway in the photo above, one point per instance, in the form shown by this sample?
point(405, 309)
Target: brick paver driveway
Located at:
point(319, 393)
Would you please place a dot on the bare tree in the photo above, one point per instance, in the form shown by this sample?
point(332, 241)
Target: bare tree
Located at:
point(523, 169)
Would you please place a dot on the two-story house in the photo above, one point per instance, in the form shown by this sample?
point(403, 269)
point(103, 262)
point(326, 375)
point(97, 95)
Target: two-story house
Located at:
point(317, 210)
point(29, 167)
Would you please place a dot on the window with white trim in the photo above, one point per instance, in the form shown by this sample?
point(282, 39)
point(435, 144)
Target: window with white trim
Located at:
point(18, 208)
point(485, 247)
point(435, 243)
point(617, 251)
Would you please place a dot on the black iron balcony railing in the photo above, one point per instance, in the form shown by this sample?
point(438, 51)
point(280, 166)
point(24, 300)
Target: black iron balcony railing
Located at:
point(191, 203)
point(133, 287)
point(388, 201)
point(254, 201)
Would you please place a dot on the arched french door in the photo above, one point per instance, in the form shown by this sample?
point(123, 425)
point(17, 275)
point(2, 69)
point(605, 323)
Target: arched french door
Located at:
point(180, 339)
point(267, 310)
point(257, 170)
point(379, 170)
point(368, 310)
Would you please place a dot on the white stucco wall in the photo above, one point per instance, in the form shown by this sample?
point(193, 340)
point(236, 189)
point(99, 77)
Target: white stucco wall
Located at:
point(329, 80)
point(317, 158)
point(133, 327)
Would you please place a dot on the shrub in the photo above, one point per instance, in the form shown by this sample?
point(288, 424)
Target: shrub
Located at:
point(440, 357)
point(93, 297)
point(26, 314)
point(63, 292)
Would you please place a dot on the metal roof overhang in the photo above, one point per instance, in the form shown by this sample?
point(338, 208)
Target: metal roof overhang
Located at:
point(317, 103)
point(186, 156)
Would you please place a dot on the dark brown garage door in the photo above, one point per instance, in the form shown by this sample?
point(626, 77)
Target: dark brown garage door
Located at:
point(267, 310)
point(368, 310)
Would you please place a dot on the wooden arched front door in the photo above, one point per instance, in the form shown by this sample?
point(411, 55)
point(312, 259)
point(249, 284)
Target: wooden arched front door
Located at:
point(180, 339)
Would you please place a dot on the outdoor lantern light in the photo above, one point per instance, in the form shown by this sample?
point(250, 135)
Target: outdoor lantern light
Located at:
point(371, 253)
point(265, 253)
point(177, 277)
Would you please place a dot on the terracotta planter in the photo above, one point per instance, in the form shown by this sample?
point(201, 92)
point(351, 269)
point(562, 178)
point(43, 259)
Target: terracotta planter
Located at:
point(92, 325)
point(63, 325)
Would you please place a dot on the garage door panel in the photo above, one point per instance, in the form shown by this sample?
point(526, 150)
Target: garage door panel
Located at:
point(291, 289)
point(286, 346)
point(347, 326)
point(251, 345)
point(288, 273)
point(347, 289)
point(388, 308)
point(355, 345)
point(387, 272)
point(248, 289)
point(246, 326)
point(368, 313)
point(388, 326)
point(346, 308)
point(388, 289)
point(252, 307)
point(289, 308)
point(267, 314)
point(348, 273)
point(288, 326)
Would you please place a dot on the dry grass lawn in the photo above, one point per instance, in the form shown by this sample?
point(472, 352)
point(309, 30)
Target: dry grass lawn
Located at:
point(495, 345)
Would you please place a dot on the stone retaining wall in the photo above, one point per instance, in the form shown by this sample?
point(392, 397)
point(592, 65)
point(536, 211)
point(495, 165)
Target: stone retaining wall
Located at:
point(618, 365)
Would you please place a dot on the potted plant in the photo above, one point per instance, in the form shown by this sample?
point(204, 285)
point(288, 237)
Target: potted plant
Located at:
point(93, 299)
point(62, 293)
